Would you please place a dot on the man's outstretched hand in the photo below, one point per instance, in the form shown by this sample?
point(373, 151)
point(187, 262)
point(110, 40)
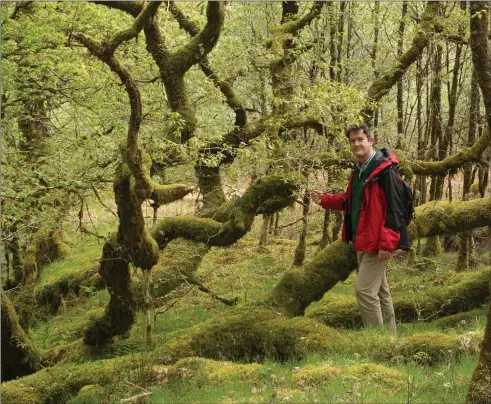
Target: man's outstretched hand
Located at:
point(384, 255)
point(316, 196)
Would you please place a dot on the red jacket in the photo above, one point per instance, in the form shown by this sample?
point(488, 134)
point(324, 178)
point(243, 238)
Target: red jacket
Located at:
point(381, 224)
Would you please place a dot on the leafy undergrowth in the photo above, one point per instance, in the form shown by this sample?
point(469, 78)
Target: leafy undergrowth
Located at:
point(428, 361)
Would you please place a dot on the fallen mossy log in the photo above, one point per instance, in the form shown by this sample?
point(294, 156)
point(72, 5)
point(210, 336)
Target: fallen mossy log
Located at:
point(20, 356)
point(300, 287)
point(52, 294)
point(254, 334)
point(472, 291)
point(56, 384)
point(436, 217)
point(459, 319)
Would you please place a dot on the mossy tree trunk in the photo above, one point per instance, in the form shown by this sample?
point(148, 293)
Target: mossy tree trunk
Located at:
point(465, 242)
point(20, 356)
point(299, 256)
point(480, 385)
point(132, 186)
point(399, 99)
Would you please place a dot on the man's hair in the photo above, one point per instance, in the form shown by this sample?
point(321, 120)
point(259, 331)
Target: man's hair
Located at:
point(359, 127)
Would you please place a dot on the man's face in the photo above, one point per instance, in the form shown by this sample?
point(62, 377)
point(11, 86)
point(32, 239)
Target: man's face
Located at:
point(361, 145)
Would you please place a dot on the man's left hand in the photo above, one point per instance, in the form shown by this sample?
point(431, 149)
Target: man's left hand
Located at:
point(384, 255)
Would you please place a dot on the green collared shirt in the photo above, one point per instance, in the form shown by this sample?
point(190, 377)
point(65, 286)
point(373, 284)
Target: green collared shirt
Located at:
point(357, 186)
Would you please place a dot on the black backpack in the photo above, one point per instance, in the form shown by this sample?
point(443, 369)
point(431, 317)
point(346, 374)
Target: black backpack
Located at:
point(407, 199)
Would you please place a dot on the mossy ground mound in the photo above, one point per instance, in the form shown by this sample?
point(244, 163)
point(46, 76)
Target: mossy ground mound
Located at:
point(376, 374)
point(314, 375)
point(252, 334)
point(202, 371)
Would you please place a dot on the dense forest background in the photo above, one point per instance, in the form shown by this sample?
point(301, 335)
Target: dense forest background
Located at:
point(156, 163)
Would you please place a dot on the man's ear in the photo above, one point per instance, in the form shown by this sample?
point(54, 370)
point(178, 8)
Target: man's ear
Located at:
point(371, 140)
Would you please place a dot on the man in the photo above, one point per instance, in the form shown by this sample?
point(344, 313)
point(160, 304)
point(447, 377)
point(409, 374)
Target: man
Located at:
point(373, 221)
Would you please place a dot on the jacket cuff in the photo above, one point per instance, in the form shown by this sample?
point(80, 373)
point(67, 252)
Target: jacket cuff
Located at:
point(389, 239)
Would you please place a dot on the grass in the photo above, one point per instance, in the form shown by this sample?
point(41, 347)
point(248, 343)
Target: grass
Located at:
point(279, 383)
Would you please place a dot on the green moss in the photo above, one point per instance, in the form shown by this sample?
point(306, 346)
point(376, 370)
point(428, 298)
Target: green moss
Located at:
point(251, 334)
point(480, 386)
point(437, 217)
point(267, 195)
point(459, 319)
point(120, 312)
point(176, 265)
point(89, 394)
point(51, 294)
point(433, 247)
point(315, 375)
point(57, 383)
point(430, 347)
point(375, 373)
point(164, 194)
point(204, 371)
point(337, 310)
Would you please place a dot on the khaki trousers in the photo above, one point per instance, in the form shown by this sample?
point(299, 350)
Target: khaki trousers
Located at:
point(372, 292)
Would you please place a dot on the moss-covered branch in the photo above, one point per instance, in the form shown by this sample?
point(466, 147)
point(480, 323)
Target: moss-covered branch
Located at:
point(452, 163)
point(382, 85)
point(165, 194)
point(20, 356)
point(225, 88)
point(203, 42)
point(436, 218)
point(126, 34)
point(267, 195)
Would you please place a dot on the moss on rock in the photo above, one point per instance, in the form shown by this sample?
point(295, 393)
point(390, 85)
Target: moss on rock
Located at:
point(337, 310)
point(459, 319)
point(89, 394)
point(430, 347)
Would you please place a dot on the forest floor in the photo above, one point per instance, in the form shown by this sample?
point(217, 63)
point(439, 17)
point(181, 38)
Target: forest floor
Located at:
point(365, 372)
